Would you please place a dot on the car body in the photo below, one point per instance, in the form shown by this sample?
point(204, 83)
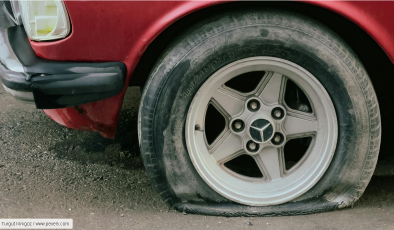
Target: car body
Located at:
point(80, 80)
point(122, 31)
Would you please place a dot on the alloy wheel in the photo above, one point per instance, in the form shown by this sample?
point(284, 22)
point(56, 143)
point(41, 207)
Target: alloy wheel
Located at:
point(261, 131)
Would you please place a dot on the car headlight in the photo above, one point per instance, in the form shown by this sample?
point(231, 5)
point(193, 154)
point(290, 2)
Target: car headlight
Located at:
point(45, 20)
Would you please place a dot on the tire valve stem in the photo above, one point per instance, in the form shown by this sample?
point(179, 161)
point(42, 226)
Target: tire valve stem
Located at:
point(198, 127)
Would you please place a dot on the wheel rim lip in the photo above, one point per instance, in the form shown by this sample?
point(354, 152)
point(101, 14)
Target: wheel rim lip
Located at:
point(259, 197)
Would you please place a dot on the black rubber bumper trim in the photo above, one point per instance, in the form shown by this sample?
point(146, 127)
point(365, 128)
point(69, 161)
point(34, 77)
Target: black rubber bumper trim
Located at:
point(57, 84)
point(14, 80)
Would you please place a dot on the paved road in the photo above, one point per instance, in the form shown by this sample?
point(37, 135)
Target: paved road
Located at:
point(49, 171)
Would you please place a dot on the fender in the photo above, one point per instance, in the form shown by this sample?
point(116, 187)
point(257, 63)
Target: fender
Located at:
point(121, 31)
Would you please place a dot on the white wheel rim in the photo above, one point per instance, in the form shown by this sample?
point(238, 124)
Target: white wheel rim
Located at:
point(278, 185)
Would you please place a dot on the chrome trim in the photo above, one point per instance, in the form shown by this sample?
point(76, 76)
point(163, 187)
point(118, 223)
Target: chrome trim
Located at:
point(8, 14)
point(17, 17)
point(20, 95)
point(8, 57)
point(17, 12)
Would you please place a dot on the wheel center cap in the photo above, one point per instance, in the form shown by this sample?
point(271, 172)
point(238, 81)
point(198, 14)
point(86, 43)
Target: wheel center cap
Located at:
point(261, 130)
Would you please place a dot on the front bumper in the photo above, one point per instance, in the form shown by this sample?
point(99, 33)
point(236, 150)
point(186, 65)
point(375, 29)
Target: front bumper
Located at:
point(53, 84)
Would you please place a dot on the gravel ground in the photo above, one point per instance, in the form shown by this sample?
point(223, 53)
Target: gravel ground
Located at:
point(49, 171)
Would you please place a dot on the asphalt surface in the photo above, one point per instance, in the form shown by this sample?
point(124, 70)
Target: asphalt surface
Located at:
point(49, 171)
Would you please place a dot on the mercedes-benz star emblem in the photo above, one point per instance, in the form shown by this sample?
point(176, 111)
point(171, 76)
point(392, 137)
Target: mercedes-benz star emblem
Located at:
point(261, 130)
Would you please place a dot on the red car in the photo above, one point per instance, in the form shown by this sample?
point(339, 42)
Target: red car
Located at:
point(247, 108)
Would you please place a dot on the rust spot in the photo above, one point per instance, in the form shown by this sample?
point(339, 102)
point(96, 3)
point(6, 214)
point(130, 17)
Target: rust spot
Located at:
point(80, 111)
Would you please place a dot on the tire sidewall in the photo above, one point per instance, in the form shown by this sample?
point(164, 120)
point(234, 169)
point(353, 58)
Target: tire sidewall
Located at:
point(196, 56)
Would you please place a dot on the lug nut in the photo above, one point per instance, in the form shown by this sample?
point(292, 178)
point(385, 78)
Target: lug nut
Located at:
point(278, 113)
point(277, 139)
point(252, 146)
point(253, 105)
point(238, 125)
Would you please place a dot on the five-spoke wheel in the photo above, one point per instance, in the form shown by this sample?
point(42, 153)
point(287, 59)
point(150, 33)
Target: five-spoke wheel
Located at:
point(259, 111)
point(270, 131)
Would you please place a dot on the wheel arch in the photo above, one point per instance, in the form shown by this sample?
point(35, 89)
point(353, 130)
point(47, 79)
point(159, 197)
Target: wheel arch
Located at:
point(374, 57)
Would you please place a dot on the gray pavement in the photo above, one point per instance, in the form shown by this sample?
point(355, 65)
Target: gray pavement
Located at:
point(49, 171)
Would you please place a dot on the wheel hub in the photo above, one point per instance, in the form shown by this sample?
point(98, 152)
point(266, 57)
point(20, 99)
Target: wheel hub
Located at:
point(261, 130)
point(263, 123)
